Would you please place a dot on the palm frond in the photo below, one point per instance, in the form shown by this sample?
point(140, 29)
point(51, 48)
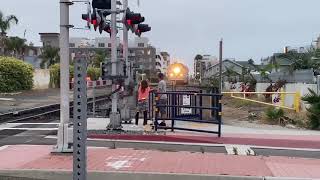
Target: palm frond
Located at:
point(312, 97)
point(12, 18)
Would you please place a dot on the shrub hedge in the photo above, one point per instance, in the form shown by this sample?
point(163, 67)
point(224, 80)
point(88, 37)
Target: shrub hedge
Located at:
point(15, 75)
point(93, 73)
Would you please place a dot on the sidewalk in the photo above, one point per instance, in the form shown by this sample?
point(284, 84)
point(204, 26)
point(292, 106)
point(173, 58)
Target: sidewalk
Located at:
point(22, 157)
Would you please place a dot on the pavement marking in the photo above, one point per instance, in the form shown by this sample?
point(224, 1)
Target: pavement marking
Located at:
point(120, 162)
point(30, 129)
point(239, 150)
point(7, 99)
point(18, 124)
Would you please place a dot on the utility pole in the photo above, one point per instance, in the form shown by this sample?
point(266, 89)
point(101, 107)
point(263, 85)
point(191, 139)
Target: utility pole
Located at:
point(62, 142)
point(125, 45)
point(115, 116)
point(220, 65)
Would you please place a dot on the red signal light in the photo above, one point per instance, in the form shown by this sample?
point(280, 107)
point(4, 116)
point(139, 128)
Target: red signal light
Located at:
point(94, 22)
point(129, 21)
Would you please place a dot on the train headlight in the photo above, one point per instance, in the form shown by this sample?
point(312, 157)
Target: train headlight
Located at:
point(177, 70)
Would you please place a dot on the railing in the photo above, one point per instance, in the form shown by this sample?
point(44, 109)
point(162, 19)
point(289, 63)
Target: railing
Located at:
point(186, 106)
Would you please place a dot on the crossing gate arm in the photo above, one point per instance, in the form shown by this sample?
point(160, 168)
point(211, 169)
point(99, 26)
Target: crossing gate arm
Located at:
point(297, 98)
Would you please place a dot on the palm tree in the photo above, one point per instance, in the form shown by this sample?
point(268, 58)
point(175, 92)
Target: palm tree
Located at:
point(15, 46)
point(314, 110)
point(50, 56)
point(5, 24)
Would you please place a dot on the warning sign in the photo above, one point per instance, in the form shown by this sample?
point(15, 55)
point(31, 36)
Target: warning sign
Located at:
point(186, 101)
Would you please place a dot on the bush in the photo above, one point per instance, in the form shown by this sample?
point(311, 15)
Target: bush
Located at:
point(94, 73)
point(274, 114)
point(314, 111)
point(55, 75)
point(15, 75)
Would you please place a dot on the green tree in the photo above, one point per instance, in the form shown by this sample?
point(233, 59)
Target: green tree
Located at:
point(99, 57)
point(5, 24)
point(15, 46)
point(50, 56)
point(306, 60)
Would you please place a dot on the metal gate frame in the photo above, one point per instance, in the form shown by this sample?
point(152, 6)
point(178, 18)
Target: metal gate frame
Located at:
point(174, 105)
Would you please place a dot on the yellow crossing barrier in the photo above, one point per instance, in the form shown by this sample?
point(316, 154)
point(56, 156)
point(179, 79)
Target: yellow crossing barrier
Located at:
point(296, 104)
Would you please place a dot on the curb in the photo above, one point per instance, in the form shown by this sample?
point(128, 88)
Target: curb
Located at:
point(67, 175)
point(277, 143)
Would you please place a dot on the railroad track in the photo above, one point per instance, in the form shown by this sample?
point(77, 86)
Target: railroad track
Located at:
point(45, 113)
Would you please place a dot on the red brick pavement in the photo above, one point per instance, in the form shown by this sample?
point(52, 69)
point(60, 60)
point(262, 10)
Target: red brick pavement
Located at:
point(129, 160)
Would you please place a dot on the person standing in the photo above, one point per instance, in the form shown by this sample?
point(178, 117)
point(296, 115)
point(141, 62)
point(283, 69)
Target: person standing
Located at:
point(162, 98)
point(143, 97)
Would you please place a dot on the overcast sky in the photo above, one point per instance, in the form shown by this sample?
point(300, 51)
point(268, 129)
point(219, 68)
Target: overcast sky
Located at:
point(184, 28)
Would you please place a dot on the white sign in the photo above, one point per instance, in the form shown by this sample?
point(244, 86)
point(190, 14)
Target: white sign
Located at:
point(186, 101)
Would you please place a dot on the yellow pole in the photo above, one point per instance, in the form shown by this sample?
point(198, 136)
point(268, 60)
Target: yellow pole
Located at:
point(297, 99)
point(282, 97)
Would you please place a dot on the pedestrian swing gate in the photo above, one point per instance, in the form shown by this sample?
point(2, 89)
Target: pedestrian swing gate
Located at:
point(186, 106)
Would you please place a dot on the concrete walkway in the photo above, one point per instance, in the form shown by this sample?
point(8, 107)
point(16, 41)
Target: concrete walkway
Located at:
point(38, 158)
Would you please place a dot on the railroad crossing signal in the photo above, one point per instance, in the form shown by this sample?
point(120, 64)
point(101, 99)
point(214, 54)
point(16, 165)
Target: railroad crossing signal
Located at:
point(131, 19)
point(142, 28)
point(101, 4)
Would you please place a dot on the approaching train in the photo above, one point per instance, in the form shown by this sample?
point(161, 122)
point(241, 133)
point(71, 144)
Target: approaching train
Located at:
point(179, 73)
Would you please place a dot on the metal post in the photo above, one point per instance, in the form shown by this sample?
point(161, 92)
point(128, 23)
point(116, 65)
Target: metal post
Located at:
point(125, 46)
point(80, 120)
point(220, 66)
point(219, 116)
point(318, 83)
point(94, 99)
point(115, 116)
point(200, 104)
point(62, 142)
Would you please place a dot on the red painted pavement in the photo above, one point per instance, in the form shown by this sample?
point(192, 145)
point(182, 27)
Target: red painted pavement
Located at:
point(129, 160)
point(312, 141)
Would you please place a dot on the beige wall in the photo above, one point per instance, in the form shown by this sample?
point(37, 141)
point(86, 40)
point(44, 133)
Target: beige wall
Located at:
point(41, 79)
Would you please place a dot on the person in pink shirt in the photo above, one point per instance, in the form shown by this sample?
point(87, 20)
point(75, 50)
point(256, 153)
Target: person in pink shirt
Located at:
point(143, 97)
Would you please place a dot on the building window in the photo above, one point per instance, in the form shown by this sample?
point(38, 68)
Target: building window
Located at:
point(109, 45)
point(72, 45)
point(101, 45)
point(140, 44)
